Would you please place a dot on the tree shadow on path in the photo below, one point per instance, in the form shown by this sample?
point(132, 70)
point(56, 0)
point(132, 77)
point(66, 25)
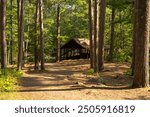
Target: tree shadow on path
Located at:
point(63, 76)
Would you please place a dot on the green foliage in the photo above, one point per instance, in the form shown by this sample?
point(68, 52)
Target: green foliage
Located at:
point(123, 29)
point(12, 12)
point(73, 24)
point(90, 72)
point(7, 84)
point(9, 79)
point(122, 56)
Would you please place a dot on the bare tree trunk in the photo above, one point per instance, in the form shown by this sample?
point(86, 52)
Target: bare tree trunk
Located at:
point(8, 52)
point(134, 37)
point(111, 52)
point(11, 35)
point(121, 30)
point(41, 35)
point(20, 33)
point(36, 41)
point(101, 35)
point(26, 42)
point(141, 70)
point(3, 34)
point(90, 12)
point(95, 37)
point(58, 33)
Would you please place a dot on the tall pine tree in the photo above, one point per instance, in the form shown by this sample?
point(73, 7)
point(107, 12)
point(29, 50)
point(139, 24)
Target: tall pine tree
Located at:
point(141, 68)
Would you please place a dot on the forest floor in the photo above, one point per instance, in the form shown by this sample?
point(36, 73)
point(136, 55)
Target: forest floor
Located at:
point(71, 80)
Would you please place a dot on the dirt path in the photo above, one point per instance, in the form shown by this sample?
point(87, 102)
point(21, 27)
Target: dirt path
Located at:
point(67, 80)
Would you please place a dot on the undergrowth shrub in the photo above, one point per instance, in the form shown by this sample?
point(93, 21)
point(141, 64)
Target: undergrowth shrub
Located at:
point(122, 56)
point(9, 79)
point(90, 72)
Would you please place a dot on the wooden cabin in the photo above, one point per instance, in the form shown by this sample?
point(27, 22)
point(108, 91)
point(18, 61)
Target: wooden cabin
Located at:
point(75, 49)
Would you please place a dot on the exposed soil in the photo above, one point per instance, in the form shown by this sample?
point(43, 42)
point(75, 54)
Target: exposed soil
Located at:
point(68, 80)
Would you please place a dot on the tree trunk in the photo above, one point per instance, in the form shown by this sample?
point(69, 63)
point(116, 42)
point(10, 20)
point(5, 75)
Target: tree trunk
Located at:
point(141, 70)
point(26, 42)
point(91, 31)
point(111, 52)
point(41, 35)
point(101, 35)
point(134, 37)
point(58, 32)
point(36, 41)
point(95, 37)
point(3, 34)
point(20, 33)
point(121, 30)
point(11, 35)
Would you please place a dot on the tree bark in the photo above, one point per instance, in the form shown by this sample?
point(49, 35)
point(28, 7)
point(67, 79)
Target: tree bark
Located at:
point(90, 2)
point(20, 33)
point(41, 35)
point(101, 35)
point(11, 34)
point(95, 37)
point(58, 33)
point(134, 37)
point(36, 41)
point(3, 34)
point(141, 70)
point(111, 52)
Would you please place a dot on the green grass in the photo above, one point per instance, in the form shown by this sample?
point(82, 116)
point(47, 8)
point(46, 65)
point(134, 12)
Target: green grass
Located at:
point(9, 79)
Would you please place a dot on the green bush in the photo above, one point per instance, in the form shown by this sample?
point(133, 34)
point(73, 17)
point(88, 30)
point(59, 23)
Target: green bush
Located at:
point(122, 56)
point(9, 79)
point(90, 72)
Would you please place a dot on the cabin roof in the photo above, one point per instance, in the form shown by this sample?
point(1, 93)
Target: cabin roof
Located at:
point(79, 43)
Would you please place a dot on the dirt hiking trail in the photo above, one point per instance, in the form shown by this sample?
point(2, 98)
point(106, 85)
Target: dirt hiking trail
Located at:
point(68, 80)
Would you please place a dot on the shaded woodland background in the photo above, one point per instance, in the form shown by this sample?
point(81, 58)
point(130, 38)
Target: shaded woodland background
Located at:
point(73, 24)
point(33, 30)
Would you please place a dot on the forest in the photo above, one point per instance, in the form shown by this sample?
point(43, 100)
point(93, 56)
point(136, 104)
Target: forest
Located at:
point(40, 48)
